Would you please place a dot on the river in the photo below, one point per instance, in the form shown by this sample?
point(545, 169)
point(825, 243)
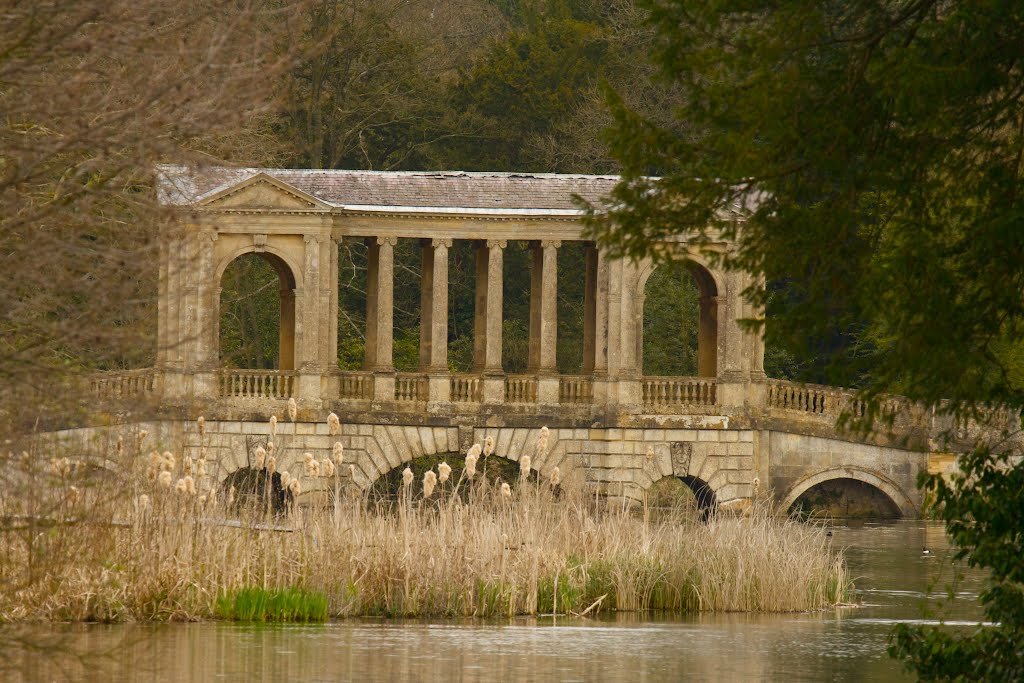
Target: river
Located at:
point(895, 582)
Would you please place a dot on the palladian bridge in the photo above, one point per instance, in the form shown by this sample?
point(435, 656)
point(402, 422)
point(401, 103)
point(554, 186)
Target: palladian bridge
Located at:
point(729, 430)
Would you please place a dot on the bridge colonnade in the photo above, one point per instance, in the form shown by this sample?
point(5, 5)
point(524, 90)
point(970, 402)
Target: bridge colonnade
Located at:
point(298, 235)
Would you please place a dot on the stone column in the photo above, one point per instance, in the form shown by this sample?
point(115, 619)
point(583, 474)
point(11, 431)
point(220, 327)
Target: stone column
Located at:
point(380, 281)
point(306, 319)
point(630, 334)
point(544, 319)
point(488, 314)
point(331, 382)
point(434, 318)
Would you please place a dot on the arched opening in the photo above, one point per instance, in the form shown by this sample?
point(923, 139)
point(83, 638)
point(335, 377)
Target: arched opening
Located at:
point(680, 322)
point(257, 313)
point(845, 497)
point(683, 494)
point(256, 492)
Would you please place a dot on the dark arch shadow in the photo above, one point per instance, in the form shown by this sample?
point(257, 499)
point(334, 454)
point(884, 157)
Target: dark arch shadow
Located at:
point(707, 501)
point(844, 497)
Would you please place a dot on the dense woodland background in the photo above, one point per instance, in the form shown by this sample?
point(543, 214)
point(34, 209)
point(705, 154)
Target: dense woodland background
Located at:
point(475, 85)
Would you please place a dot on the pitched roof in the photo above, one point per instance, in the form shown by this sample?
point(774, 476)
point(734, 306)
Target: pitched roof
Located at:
point(534, 192)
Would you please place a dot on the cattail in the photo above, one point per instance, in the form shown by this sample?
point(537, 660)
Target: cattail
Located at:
point(273, 426)
point(506, 490)
point(165, 479)
point(186, 465)
point(201, 469)
point(471, 459)
point(407, 477)
point(488, 445)
point(285, 480)
point(211, 497)
point(429, 482)
point(261, 457)
point(168, 461)
point(333, 424)
point(352, 472)
point(151, 474)
point(270, 448)
point(555, 476)
point(74, 495)
point(524, 466)
point(474, 451)
point(271, 465)
point(293, 409)
point(190, 486)
point(181, 487)
point(307, 463)
point(327, 467)
point(232, 492)
point(339, 453)
point(142, 435)
point(201, 425)
point(143, 502)
point(542, 442)
point(120, 445)
point(444, 471)
point(155, 460)
point(314, 469)
point(295, 488)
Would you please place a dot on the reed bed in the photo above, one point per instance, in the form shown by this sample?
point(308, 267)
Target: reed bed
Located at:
point(472, 547)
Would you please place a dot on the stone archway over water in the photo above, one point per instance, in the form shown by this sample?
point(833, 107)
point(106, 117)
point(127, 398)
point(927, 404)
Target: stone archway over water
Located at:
point(849, 492)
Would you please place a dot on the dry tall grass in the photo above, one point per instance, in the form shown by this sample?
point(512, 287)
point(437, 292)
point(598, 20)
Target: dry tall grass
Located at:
point(472, 548)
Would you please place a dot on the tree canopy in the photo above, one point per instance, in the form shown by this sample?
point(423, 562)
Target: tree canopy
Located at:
point(867, 156)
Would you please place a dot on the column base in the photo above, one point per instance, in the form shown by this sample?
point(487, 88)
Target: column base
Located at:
point(494, 388)
point(307, 391)
point(547, 388)
point(439, 388)
point(384, 386)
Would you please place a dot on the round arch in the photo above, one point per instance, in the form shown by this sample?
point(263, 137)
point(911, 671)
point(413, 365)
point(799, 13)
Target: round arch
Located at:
point(288, 279)
point(710, 292)
point(292, 270)
point(880, 482)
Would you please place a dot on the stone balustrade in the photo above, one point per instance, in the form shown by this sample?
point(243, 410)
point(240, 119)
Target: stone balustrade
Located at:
point(124, 384)
point(257, 383)
point(673, 393)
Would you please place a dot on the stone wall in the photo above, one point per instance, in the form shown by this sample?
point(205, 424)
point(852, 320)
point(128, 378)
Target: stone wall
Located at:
point(732, 462)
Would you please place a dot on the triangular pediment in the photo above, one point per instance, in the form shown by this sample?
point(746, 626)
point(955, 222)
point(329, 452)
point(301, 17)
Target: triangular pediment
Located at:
point(262, 192)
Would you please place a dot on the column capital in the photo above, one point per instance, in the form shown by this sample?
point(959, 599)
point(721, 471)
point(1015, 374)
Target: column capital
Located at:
point(500, 244)
point(387, 240)
point(441, 242)
point(554, 244)
point(337, 239)
point(307, 238)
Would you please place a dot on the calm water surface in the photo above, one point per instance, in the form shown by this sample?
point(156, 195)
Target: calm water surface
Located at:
point(895, 583)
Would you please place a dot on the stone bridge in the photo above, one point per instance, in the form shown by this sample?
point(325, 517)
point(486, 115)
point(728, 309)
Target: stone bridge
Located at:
point(729, 430)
